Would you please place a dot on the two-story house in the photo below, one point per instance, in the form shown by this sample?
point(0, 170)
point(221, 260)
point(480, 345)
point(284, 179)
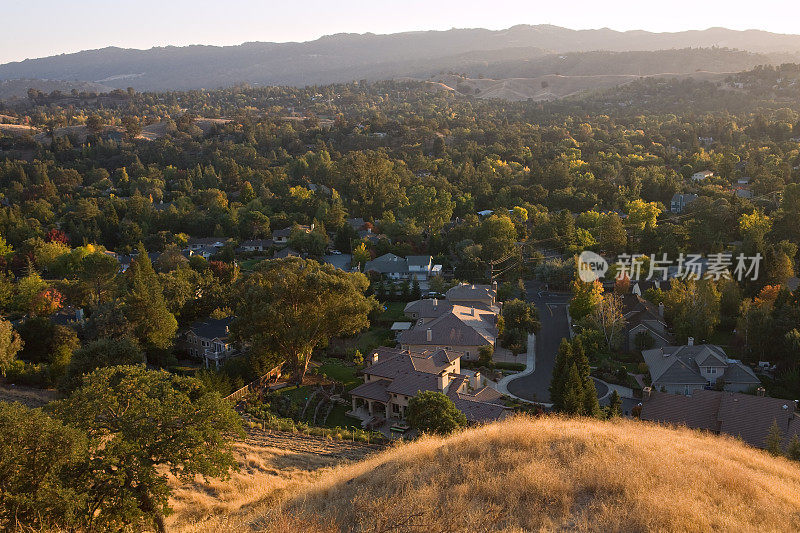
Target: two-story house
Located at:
point(395, 267)
point(209, 340)
point(440, 324)
point(394, 376)
point(643, 318)
point(686, 369)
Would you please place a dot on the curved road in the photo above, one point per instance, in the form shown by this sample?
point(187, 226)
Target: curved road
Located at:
point(553, 315)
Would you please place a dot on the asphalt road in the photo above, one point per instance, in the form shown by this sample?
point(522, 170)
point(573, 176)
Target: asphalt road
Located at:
point(553, 315)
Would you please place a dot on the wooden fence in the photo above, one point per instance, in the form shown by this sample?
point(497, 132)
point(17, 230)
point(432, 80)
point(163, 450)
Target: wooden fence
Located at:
point(256, 385)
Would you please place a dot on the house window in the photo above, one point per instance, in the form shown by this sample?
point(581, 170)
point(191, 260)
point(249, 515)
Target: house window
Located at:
point(711, 370)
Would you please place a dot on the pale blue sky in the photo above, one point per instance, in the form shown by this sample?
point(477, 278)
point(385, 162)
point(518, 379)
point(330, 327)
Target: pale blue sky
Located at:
point(36, 28)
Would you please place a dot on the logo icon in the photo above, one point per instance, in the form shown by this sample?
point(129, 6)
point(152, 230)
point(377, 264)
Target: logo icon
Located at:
point(591, 266)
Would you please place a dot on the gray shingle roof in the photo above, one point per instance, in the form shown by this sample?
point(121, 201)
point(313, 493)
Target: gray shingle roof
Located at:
point(740, 415)
point(212, 328)
point(448, 330)
point(467, 292)
point(394, 264)
point(374, 390)
point(406, 373)
point(681, 365)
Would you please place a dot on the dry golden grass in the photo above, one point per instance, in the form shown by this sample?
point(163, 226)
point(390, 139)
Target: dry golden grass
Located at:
point(270, 465)
point(543, 474)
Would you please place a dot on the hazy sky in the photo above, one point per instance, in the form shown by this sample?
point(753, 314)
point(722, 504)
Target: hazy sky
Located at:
point(37, 28)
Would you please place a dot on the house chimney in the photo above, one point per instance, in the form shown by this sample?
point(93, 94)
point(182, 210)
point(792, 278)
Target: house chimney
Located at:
point(475, 382)
point(661, 309)
point(428, 335)
point(760, 391)
point(374, 357)
point(690, 341)
point(494, 286)
point(443, 380)
point(471, 311)
point(646, 393)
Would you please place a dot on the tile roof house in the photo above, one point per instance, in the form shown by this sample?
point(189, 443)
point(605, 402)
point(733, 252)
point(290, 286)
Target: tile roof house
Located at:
point(470, 294)
point(442, 324)
point(643, 317)
point(687, 369)
point(394, 376)
point(209, 339)
point(395, 267)
point(740, 415)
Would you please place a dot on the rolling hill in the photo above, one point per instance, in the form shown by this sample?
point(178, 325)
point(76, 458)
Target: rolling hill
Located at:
point(539, 474)
point(520, 51)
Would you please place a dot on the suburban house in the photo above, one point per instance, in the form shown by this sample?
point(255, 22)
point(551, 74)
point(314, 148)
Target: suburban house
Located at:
point(687, 369)
point(643, 317)
point(286, 252)
point(742, 188)
point(281, 236)
point(680, 201)
point(395, 267)
point(255, 245)
point(208, 339)
point(199, 243)
point(471, 294)
point(394, 376)
point(356, 223)
point(743, 416)
point(703, 174)
point(440, 324)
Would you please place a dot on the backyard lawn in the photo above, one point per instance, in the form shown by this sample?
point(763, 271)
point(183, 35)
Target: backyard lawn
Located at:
point(338, 371)
point(395, 311)
point(248, 264)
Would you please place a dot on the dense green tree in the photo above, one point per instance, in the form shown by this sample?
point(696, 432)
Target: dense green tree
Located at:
point(98, 354)
point(615, 405)
point(288, 307)
point(613, 238)
point(429, 207)
point(793, 448)
point(585, 298)
point(41, 469)
point(434, 412)
point(10, 344)
point(774, 439)
point(139, 421)
point(145, 308)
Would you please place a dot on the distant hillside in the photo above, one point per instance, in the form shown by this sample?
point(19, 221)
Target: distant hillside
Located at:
point(345, 57)
point(11, 89)
point(540, 474)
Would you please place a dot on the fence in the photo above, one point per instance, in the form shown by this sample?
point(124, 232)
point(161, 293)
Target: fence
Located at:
point(256, 385)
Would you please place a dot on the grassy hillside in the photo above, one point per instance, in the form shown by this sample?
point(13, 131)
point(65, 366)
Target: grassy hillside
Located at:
point(543, 474)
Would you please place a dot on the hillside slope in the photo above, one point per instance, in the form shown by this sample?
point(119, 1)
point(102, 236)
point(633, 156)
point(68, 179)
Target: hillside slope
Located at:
point(545, 474)
point(344, 57)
